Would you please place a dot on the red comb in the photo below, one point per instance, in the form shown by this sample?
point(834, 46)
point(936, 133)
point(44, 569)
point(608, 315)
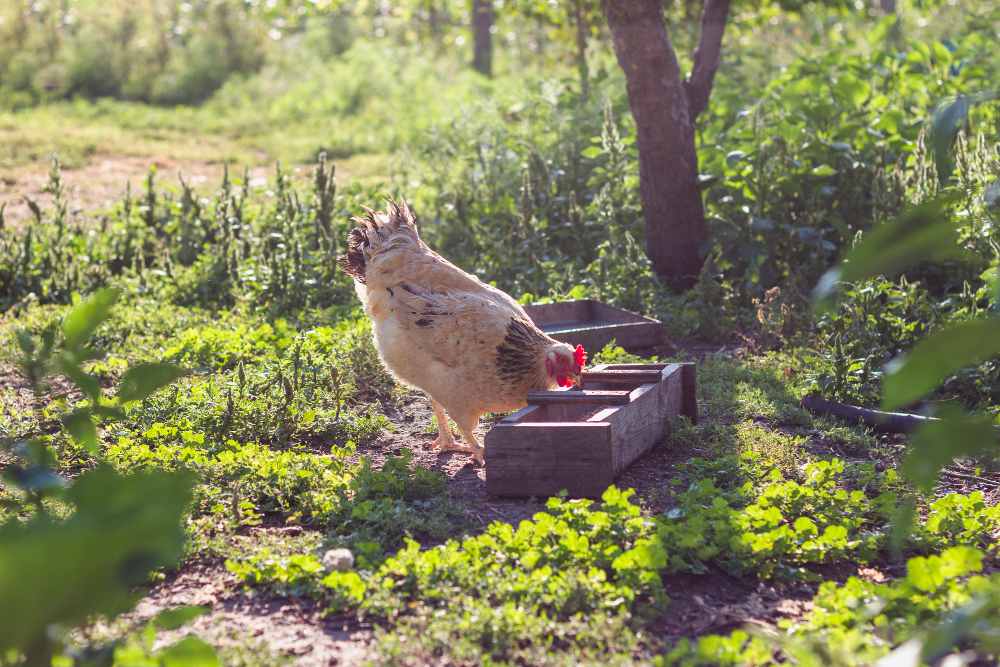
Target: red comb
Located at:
point(580, 355)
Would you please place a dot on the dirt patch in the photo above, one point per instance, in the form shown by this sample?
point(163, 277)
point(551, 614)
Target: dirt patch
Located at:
point(293, 627)
point(718, 604)
point(98, 185)
point(466, 479)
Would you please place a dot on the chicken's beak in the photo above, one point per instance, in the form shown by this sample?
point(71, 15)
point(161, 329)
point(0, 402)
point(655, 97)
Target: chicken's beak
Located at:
point(578, 379)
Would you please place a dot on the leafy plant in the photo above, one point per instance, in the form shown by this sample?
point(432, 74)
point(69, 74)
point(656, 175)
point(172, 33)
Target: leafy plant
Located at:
point(56, 571)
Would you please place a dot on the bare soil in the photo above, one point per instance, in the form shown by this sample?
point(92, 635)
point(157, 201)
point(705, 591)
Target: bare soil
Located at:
point(98, 184)
point(293, 627)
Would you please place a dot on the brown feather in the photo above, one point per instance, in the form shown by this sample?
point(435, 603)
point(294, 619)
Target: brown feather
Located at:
point(353, 263)
point(523, 345)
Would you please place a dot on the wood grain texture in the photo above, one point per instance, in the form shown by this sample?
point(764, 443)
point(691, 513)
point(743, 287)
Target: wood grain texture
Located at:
point(641, 425)
point(542, 449)
point(588, 396)
point(543, 459)
point(690, 379)
point(621, 376)
point(594, 324)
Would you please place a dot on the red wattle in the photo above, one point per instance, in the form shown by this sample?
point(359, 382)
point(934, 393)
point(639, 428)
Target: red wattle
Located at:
point(563, 382)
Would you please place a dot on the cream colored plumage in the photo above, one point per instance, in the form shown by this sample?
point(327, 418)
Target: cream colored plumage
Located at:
point(468, 345)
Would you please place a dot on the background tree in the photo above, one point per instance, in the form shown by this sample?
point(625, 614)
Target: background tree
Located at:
point(665, 107)
point(482, 22)
point(571, 21)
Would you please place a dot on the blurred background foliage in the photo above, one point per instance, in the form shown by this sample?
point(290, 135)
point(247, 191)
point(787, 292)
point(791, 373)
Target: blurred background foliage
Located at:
point(817, 130)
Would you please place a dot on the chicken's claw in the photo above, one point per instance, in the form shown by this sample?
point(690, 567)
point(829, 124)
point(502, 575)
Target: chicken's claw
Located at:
point(456, 447)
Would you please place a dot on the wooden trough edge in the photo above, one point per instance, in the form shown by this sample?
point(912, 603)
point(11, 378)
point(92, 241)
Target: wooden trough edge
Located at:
point(545, 448)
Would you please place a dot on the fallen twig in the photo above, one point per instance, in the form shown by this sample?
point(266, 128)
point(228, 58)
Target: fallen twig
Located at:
point(973, 478)
point(884, 422)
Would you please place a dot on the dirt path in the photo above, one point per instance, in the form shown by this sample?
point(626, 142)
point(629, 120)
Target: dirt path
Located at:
point(99, 184)
point(291, 627)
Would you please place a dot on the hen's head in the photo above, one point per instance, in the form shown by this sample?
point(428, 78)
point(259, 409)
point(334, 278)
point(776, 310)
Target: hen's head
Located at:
point(565, 364)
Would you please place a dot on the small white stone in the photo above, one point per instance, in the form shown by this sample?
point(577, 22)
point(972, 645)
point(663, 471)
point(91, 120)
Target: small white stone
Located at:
point(338, 559)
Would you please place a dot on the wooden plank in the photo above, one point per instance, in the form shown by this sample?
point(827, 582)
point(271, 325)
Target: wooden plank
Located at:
point(594, 324)
point(543, 459)
point(631, 376)
point(603, 415)
point(530, 413)
point(609, 313)
point(689, 377)
point(560, 312)
point(630, 367)
point(628, 336)
point(642, 423)
point(588, 396)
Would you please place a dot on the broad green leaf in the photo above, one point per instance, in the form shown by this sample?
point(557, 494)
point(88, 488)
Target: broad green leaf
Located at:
point(936, 358)
point(82, 428)
point(65, 571)
point(142, 380)
point(949, 118)
point(882, 28)
point(942, 55)
point(890, 121)
point(937, 443)
point(88, 384)
point(189, 652)
point(171, 619)
point(922, 232)
point(26, 343)
point(941, 640)
point(108, 412)
point(852, 89)
point(82, 321)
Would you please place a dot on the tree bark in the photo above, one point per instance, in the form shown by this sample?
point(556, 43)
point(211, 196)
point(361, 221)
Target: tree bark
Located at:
point(482, 21)
point(581, 51)
point(706, 55)
point(665, 109)
point(888, 6)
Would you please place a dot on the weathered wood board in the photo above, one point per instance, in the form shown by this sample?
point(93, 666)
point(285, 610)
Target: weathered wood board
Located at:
point(594, 324)
point(579, 441)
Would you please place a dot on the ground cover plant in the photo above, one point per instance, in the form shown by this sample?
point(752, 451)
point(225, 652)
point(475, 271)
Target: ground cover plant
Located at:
point(194, 419)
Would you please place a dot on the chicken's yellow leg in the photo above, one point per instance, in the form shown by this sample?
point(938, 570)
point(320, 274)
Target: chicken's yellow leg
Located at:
point(477, 449)
point(445, 438)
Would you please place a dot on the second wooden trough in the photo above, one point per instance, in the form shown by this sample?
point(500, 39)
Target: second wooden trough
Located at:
point(579, 441)
point(594, 324)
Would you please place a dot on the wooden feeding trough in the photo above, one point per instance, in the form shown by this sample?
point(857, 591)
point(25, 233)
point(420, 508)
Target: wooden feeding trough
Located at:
point(594, 324)
point(581, 440)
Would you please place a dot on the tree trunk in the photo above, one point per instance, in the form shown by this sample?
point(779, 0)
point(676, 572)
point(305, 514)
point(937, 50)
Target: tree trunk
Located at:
point(888, 6)
point(482, 21)
point(668, 163)
point(581, 51)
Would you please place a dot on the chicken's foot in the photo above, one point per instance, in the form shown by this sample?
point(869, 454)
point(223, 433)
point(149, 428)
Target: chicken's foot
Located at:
point(477, 449)
point(445, 439)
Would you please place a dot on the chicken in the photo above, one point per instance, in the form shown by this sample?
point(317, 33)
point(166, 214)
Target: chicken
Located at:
point(469, 346)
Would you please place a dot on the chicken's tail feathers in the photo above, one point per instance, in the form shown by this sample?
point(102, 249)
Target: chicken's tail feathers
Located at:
point(376, 227)
point(353, 263)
